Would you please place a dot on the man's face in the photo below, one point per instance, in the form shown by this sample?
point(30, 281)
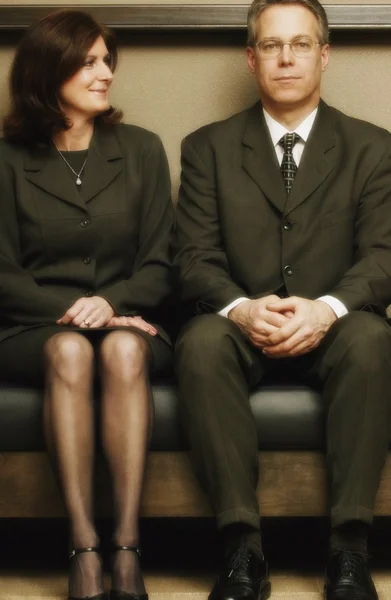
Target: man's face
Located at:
point(287, 81)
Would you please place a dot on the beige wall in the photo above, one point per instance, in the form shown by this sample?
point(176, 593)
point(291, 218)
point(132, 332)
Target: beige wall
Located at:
point(174, 84)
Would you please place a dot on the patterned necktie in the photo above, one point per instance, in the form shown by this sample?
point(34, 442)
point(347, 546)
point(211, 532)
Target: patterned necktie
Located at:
point(288, 165)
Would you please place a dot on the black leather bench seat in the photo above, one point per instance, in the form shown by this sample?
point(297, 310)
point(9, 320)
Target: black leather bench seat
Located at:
point(289, 417)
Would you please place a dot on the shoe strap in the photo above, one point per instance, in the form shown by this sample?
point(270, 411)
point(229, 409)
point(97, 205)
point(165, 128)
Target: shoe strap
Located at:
point(76, 551)
point(135, 549)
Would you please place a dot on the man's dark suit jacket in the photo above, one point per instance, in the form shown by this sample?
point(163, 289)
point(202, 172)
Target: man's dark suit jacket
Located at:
point(238, 234)
point(111, 239)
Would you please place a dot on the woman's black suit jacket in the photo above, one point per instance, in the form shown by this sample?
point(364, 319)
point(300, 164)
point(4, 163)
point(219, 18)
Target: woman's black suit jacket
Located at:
point(109, 239)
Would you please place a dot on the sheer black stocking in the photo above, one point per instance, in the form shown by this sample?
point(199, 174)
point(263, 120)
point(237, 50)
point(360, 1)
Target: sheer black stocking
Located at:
point(127, 413)
point(85, 578)
point(69, 432)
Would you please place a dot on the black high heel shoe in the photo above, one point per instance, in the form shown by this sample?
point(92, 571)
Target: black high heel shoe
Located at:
point(118, 594)
point(103, 595)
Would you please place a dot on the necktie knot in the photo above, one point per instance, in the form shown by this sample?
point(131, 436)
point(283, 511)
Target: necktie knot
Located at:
point(288, 165)
point(288, 141)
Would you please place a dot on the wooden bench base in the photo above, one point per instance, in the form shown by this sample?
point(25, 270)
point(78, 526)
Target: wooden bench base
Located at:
point(292, 484)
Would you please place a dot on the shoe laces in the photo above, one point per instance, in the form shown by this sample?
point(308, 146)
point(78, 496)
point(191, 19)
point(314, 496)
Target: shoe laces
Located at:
point(239, 563)
point(351, 564)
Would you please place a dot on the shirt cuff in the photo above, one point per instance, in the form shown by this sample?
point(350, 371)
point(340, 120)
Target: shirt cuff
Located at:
point(338, 307)
point(224, 311)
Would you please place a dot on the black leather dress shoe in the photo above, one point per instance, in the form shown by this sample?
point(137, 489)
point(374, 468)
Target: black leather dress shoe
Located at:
point(244, 576)
point(348, 577)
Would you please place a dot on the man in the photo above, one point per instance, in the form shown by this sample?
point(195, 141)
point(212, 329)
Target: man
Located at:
point(283, 248)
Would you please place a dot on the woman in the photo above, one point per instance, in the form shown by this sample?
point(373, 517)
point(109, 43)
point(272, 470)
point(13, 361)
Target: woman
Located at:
point(84, 232)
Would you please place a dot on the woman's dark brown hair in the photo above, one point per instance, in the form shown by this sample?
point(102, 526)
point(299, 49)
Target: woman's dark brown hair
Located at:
point(50, 52)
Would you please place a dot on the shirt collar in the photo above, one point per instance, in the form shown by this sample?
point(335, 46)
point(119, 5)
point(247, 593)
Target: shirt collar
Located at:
point(277, 131)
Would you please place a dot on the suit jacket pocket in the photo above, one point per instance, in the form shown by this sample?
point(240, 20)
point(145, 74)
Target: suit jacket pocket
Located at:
point(336, 217)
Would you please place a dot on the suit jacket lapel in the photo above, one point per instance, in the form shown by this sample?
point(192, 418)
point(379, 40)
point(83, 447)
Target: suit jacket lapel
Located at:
point(260, 160)
point(105, 162)
point(317, 160)
point(47, 170)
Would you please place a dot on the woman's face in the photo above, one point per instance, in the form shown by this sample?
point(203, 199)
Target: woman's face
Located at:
point(85, 94)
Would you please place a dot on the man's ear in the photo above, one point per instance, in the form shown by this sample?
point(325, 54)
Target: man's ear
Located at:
point(325, 56)
point(251, 59)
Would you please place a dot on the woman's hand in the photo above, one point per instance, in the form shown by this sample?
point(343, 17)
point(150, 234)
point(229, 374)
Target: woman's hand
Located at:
point(88, 312)
point(132, 322)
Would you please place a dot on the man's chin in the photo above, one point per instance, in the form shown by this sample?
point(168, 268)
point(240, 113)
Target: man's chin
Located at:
point(289, 97)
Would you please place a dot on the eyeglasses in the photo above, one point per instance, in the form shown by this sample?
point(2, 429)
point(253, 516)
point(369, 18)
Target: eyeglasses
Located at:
point(301, 47)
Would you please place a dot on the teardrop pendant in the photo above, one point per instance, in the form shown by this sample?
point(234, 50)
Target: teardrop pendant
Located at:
point(78, 181)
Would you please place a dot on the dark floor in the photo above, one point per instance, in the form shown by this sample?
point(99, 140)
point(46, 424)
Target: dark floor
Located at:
point(183, 542)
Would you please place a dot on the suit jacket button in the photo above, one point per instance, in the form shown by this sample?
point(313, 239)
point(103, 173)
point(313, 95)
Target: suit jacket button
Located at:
point(84, 223)
point(288, 270)
point(87, 260)
point(88, 293)
point(287, 225)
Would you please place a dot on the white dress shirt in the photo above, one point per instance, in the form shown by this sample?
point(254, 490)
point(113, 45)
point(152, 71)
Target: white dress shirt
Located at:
point(277, 131)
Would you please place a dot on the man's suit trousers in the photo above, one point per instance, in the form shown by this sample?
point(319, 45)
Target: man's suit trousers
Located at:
point(216, 370)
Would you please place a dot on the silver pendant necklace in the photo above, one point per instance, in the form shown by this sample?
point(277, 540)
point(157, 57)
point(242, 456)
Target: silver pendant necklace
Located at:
point(78, 180)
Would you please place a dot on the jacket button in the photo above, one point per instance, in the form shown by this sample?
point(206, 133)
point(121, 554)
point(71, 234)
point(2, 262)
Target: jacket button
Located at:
point(89, 293)
point(87, 260)
point(288, 270)
point(287, 225)
point(84, 223)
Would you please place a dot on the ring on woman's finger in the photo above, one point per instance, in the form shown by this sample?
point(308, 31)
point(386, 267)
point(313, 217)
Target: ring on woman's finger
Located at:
point(87, 323)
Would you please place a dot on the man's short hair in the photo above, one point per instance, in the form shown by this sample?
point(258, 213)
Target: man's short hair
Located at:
point(258, 6)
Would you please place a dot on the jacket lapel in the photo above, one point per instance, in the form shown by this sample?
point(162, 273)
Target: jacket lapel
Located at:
point(317, 159)
point(105, 162)
point(47, 170)
point(260, 160)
